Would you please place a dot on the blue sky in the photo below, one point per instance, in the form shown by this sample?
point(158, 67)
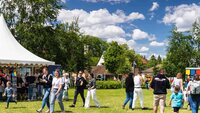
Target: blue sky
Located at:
point(144, 25)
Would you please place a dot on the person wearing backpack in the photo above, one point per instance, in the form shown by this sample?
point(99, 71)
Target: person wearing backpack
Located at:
point(193, 90)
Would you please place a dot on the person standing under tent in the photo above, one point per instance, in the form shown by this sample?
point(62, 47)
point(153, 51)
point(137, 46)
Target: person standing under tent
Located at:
point(66, 86)
point(91, 92)
point(30, 79)
point(80, 83)
point(39, 86)
point(160, 84)
point(19, 87)
point(57, 92)
point(138, 80)
point(1, 88)
point(129, 84)
point(47, 83)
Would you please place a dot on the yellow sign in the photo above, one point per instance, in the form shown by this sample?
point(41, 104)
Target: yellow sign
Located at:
point(187, 72)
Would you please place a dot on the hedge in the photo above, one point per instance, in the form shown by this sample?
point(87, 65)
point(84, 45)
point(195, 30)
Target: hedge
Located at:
point(108, 84)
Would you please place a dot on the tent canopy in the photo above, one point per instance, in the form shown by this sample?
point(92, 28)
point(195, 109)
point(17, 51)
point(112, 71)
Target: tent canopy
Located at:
point(11, 52)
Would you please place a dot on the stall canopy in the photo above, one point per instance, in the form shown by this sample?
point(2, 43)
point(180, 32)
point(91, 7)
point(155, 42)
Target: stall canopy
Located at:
point(11, 52)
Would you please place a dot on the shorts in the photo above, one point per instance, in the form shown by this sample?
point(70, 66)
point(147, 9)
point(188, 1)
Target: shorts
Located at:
point(176, 109)
point(159, 100)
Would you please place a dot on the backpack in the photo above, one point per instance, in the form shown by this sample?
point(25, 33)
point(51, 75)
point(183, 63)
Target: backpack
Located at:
point(195, 87)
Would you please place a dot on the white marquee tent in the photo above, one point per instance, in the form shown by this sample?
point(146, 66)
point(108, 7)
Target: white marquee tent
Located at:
point(11, 52)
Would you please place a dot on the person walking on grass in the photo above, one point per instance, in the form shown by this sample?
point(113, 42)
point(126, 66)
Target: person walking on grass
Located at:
point(9, 94)
point(138, 80)
point(66, 86)
point(47, 83)
point(91, 92)
point(160, 84)
point(80, 83)
point(57, 92)
point(193, 91)
point(177, 82)
point(129, 84)
point(176, 99)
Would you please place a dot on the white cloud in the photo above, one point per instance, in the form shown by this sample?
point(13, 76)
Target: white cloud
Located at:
point(110, 1)
point(131, 43)
point(97, 17)
point(139, 35)
point(183, 16)
point(144, 49)
point(135, 15)
point(119, 40)
point(110, 31)
point(64, 1)
point(155, 43)
point(100, 23)
point(154, 6)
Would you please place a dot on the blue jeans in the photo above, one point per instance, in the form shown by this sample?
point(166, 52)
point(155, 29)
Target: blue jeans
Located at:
point(129, 97)
point(53, 98)
point(39, 88)
point(30, 91)
point(1, 98)
point(45, 99)
point(194, 101)
point(8, 101)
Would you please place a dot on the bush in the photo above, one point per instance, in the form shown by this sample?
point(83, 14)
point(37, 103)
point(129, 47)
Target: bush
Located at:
point(108, 84)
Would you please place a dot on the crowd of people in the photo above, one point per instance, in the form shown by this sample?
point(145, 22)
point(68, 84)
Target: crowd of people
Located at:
point(56, 87)
point(160, 83)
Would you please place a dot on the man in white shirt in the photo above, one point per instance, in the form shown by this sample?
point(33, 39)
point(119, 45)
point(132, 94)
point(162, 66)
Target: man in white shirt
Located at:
point(138, 80)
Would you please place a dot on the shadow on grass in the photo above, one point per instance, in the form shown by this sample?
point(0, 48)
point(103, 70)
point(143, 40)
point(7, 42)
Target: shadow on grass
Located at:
point(146, 108)
point(100, 107)
point(65, 112)
point(69, 100)
point(18, 107)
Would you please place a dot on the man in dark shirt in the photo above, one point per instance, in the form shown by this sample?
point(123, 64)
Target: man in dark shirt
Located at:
point(80, 86)
point(160, 84)
point(30, 82)
point(129, 90)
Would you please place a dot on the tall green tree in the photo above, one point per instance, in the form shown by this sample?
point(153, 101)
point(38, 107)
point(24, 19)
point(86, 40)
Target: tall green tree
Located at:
point(118, 58)
point(152, 62)
point(179, 53)
point(196, 38)
point(94, 48)
point(159, 59)
point(113, 57)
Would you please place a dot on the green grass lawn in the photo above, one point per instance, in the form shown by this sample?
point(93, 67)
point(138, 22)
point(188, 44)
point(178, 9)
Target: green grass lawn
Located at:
point(111, 102)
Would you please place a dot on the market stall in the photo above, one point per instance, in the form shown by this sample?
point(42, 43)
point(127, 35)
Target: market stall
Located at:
point(14, 58)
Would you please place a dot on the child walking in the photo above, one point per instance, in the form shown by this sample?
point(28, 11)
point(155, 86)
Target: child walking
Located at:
point(9, 93)
point(177, 99)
